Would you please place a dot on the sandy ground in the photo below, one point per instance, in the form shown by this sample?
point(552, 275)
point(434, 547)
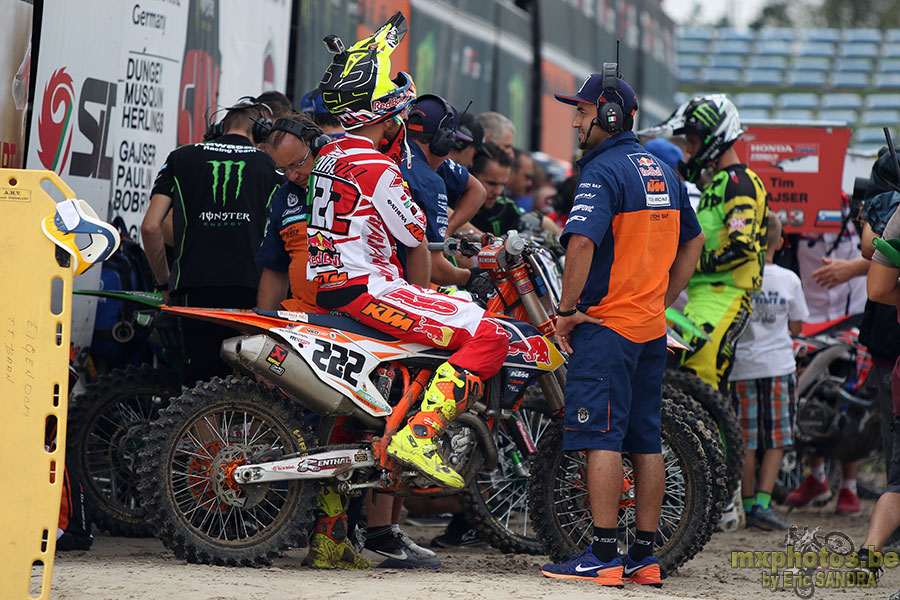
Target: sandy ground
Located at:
point(119, 568)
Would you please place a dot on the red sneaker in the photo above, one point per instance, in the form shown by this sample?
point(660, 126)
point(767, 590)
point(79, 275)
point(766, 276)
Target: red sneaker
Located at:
point(811, 490)
point(848, 502)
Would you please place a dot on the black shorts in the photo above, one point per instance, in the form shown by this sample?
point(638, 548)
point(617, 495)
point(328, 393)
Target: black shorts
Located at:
point(893, 482)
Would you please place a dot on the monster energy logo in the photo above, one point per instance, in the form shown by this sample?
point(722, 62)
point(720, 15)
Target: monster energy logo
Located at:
point(707, 114)
point(225, 167)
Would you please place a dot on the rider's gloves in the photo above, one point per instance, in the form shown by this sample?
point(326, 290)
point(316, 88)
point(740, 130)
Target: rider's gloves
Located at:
point(890, 249)
point(479, 284)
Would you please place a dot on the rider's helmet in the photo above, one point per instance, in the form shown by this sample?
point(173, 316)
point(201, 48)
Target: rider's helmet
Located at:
point(715, 120)
point(357, 87)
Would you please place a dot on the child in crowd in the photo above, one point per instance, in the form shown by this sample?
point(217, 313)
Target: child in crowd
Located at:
point(763, 381)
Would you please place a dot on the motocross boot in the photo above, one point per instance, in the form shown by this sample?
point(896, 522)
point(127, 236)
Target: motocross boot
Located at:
point(329, 547)
point(445, 397)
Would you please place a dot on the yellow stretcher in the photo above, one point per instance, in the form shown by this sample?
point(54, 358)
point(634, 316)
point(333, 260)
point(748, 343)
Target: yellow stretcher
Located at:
point(35, 320)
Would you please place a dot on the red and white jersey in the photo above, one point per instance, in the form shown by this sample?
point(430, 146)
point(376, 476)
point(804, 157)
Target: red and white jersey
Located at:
point(358, 205)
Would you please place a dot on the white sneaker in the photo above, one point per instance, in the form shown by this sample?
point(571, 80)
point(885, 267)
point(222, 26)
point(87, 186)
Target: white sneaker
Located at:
point(420, 550)
point(733, 517)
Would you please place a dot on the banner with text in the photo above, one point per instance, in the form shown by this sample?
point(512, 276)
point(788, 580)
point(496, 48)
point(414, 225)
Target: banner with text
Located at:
point(801, 168)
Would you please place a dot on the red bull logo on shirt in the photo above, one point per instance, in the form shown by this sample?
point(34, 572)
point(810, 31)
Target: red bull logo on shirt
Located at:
point(322, 252)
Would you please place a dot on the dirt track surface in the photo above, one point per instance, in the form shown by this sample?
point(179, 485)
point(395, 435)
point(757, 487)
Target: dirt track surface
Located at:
point(120, 569)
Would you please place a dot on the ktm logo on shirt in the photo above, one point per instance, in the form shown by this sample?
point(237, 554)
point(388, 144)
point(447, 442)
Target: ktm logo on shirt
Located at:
point(416, 231)
point(656, 185)
point(387, 314)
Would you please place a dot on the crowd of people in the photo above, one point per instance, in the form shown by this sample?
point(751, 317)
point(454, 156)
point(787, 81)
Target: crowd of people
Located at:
point(330, 208)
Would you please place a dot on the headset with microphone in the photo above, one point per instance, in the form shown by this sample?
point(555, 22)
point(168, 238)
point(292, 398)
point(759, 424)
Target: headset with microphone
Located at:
point(312, 136)
point(443, 139)
point(610, 113)
point(261, 125)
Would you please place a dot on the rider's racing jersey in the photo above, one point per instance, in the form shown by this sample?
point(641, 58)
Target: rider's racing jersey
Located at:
point(359, 204)
point(732, 213)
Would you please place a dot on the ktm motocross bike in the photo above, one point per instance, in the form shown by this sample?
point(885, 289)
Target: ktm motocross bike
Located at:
point(230, 471)
point(837, 414)
point(556, 502)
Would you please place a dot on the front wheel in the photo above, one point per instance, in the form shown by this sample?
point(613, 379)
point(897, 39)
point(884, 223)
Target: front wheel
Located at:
point(560, 505)
point(496, 502)
point(192, 501)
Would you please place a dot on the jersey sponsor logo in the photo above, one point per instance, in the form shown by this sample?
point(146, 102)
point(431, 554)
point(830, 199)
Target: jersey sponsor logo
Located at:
point(223, 173)
point(588, 184)
point(584, 195)
point(656, 192)
point(292, 200)
point(582, 207)
point(438, 334)
point(292, 219)
point(736, 223)
point(322, 252)
point(573, 218)
point(389, 315)
point(330, 279)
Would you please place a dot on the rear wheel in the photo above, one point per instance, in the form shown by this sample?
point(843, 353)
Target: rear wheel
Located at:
point(108, 426)
point(560, 506)
point(193, 503)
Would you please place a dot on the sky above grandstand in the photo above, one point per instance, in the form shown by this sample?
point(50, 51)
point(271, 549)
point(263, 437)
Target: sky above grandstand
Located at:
point(741, 12)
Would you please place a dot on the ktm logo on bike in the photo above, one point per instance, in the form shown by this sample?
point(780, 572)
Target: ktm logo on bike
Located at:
point(277, 355)
point(385, 313)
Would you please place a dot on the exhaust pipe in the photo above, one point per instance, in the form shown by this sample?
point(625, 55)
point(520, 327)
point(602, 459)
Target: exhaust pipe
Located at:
point(293, 376)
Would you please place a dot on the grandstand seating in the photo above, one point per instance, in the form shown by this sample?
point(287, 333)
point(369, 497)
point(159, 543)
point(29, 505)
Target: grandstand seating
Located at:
point(850, 75)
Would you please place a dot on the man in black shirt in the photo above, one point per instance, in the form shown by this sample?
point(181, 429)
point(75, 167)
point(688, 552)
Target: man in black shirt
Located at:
point(219, 192)
point(499, 213)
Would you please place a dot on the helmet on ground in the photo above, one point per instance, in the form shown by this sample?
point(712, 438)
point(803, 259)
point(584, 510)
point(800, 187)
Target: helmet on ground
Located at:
point(715, 120)
point(357, 87)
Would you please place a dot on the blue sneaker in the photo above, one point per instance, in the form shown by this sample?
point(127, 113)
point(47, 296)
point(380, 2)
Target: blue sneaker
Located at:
point(588, 567)
point(645, 572)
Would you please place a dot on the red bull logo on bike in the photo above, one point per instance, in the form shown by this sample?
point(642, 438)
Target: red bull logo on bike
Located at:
point(436, 333)
point(534, 349)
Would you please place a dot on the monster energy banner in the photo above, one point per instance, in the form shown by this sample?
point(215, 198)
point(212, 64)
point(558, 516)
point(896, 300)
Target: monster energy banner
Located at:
point(118, 85)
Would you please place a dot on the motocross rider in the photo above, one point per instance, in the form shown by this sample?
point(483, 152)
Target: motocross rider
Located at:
point(359, 205)
point(732, 213)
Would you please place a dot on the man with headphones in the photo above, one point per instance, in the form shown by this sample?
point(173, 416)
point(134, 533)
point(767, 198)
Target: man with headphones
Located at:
point(218, 191)
point(432, 130)
point(293, 143)
point(632, 241)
